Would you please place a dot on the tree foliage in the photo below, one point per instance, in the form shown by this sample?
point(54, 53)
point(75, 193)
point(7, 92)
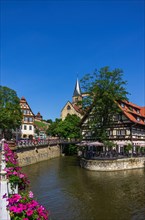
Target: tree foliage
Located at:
point(104, 89)
point(10, 111)
point(51, 131)
point(69, 128)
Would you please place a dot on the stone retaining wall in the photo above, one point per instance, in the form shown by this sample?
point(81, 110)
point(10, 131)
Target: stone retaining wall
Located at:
point(33, 155)
point(113, 165)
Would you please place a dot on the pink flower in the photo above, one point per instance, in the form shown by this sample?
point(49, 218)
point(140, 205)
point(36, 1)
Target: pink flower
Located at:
point(29, 212)
point(21, 204)
point(30, 194)
point(21, 175)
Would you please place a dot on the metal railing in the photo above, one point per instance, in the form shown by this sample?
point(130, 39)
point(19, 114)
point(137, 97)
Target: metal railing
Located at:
point(36, 142)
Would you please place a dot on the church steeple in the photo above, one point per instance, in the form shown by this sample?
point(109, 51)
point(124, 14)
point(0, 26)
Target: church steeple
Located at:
point(77, 96)
point(77, 90)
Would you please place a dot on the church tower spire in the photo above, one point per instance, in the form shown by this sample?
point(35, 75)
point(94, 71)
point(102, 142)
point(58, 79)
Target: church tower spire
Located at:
point(77, 90)
point(77, 96)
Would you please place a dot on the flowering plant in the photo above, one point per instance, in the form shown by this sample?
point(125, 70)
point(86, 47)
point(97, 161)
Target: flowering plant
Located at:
point(21, 206)
point(24, 207)
point(14, 174)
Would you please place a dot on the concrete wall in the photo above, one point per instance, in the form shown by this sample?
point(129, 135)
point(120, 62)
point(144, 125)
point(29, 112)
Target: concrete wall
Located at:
point(113, 165)
point(32, 155)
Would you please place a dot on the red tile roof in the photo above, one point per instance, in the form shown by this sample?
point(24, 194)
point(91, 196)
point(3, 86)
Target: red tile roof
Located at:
point(142, 111)
point(133, 112)
point(77, 108)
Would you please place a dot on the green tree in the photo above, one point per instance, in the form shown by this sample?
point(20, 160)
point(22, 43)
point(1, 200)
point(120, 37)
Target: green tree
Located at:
point(104, 89)
point(49, 121)
point(10, 111)
point(69, 128)
point(51, 131)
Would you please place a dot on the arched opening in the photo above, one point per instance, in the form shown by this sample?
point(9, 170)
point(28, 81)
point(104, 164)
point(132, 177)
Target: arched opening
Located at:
point(30, 137)
point(68, 107)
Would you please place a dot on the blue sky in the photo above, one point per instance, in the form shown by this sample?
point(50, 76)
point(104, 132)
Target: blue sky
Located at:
point(46, 44)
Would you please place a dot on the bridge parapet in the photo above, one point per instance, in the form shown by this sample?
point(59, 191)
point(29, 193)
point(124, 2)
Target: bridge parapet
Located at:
point(37, 143)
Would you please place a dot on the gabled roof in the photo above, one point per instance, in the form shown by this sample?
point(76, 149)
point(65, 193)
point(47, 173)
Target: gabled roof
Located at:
point(133, 112)
point(76, 108)
point(68, 102)
point(23, 100)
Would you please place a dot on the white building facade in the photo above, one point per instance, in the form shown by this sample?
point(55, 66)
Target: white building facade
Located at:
point(27, 127)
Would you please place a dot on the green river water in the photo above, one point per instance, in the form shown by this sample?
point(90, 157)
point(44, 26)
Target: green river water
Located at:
point(70, 192)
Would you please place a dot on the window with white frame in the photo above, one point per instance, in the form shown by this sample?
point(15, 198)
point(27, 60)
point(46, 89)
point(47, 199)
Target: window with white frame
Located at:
point(25, 127)
point(24, 111)
point(25, 119)
point(111, 132)
point(118, 132)
point(122, 132)
point(30, 119)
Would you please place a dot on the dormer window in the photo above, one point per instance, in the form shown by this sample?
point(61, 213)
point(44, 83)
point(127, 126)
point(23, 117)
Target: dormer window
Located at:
point(130, 108)
point(122, 105)
point(137, 110)
point(138, 119)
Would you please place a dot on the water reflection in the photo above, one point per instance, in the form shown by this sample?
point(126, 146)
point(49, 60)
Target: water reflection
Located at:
point(71, 192)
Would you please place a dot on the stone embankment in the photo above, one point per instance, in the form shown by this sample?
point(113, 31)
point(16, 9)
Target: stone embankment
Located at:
point(113, 164)
point(32, 155)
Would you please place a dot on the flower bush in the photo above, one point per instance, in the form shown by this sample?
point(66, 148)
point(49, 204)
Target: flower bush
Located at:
point(24, 207)
point(14, 174)
point(21, 206)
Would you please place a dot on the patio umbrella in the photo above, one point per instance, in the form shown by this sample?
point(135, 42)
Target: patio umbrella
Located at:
point(142, 145)
point(82, 143)
point(95, 143)
point(121, 143)
point(139, 143)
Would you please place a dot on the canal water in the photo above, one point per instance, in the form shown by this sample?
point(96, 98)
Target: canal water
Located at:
point(70, 192)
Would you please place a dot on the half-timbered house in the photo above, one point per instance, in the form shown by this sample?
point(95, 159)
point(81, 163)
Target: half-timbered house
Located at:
point(27, 127)
point(128, 126)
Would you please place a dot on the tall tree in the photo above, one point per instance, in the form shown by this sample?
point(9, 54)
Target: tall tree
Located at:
point(69, 128)
point(104, 89)
point(52, 128)
point(10, 111)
